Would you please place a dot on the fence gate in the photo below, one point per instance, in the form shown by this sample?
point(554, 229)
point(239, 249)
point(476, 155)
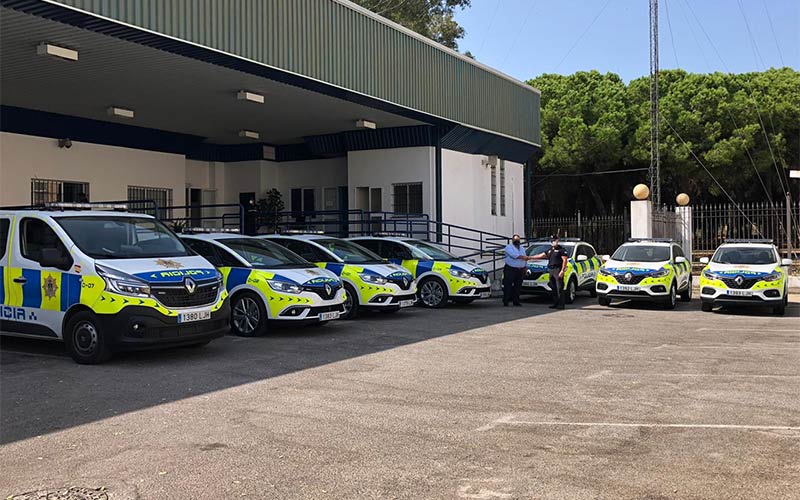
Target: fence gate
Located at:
point(605, 233)
point(669, 224)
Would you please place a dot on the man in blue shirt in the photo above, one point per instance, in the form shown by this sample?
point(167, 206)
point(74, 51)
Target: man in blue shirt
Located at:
point(516, 262)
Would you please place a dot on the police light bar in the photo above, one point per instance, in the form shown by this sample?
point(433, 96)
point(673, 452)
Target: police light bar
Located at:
point(767, 241)
point(86, 206)
point(208, 230)
point(391, 235)
point(653, 240)
point(300, 231)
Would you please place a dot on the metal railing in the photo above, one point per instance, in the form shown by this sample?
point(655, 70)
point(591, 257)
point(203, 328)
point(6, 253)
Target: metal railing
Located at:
point(605, 233)
point(219, 216)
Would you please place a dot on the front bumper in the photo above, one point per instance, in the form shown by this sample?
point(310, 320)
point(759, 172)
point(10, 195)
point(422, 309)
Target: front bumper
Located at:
point(761, 293)
point(311, 313)
point(479, 291)
point(138, 327)
point(540, 285)
point(391, 301)
point(647, 290)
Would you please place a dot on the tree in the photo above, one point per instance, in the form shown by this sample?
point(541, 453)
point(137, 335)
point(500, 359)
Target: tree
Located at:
point(431, 18)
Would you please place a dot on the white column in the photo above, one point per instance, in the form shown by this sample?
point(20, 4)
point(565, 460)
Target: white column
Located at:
point(641, 219)
point(685, 229)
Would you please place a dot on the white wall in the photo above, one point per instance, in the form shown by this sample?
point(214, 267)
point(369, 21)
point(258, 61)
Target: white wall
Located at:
point(109, 170)
point(316, 174)
point(384, 167)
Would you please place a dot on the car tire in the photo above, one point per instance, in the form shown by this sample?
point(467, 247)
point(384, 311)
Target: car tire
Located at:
point(593, 290)
point(603, 300)
point(686, 296)
point(248, 315)
point(781, 309)
point(432, 293)
point(570, 291)
point(86, 342)
point(672, 299)
point(706, 307)
point(351, 303)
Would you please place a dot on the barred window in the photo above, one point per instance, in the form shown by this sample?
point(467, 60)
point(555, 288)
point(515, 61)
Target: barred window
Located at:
point(503, 187)
point(53, 191)
point(161, 196)
point(408, 198)
point(494, 189)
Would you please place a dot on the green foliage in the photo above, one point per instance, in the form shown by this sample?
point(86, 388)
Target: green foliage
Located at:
point(431, 18)
point(593, 123)
point(268, 209)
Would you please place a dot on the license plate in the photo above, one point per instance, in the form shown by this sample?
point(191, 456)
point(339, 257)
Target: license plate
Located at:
point(528, 282)
point(327, 316)
point(740, 293)
point(486, 295)
point(407, 303)
point(628, 288)
point(189, 317)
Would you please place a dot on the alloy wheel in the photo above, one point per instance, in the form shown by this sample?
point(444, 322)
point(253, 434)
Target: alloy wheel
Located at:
point(246, 316)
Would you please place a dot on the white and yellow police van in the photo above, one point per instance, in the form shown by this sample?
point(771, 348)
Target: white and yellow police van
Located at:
point(583, 264)
point(371, 282)
point(104, 281)
point(649, 270)
point(268, 282)
point(441, 276)
point(745, 273)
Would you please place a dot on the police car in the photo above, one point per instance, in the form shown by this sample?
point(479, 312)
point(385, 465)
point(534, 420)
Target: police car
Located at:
point(745, 272)
point(104, 281)
point(650, 270)
point(583, 265)
point(370, 282)
point(441, 276)
point(268, 282)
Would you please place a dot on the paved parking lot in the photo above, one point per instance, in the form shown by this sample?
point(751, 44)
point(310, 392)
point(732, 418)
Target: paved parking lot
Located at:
point(476, 402)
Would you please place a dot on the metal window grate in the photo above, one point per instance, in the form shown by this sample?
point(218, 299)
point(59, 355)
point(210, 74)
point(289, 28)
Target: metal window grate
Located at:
point(502, 188)
point(408, 198)
point(494, 189)
point(52, 191)
point(161, 196)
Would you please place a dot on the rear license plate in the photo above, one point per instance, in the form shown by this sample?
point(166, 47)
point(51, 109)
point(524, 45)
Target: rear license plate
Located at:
point(189, 317)
point(628, 288)
point(528, 282)
point(327, 316)
point(740, 293)
point(407, 303)
point(486, 295)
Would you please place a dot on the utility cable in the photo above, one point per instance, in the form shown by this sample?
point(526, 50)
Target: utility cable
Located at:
point(596, 17)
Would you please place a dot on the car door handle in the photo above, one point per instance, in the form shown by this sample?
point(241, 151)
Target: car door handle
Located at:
point(21, 280)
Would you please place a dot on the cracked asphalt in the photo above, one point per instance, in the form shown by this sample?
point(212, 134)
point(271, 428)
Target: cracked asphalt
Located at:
point(475, 402)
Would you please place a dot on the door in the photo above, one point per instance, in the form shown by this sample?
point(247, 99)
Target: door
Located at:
point(586, 269)
point(194, 200)
point(248, 202)
point(683, 269)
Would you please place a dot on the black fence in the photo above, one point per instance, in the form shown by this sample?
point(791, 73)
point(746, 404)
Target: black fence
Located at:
point(714, 223)
point(605, 233)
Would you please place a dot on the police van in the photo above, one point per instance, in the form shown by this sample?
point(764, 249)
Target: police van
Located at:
point(441, 275)
point(583, 264)
point(104, 281)
point(646, 269)
point(745, 273)
point(268, 282)
point(371, 283)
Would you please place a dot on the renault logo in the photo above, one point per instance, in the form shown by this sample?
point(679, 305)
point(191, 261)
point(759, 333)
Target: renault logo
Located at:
point(405, 282)
point(328, 289)
point(190, 285)
point(739, 280)
point(628, 276)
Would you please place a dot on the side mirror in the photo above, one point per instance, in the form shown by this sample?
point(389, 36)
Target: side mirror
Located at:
point(705, 260)
point(582, 258)
point(786, 262)
point(680, 260)
point(52, 257)
point(606, 258)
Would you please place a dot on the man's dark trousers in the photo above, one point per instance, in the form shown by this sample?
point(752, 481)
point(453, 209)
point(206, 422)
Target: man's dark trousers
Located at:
point(557, 286)
point(512, 283)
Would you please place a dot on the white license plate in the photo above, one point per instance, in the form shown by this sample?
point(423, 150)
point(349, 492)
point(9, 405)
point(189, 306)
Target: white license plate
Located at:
point(486, 295)
point(740, 293)
point(189, 317)
point(528, 282)
point(407, 303)
point(327, 316)
point(628, 288)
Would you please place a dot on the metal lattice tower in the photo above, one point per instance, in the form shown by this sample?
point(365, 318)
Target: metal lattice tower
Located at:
point(655, 163)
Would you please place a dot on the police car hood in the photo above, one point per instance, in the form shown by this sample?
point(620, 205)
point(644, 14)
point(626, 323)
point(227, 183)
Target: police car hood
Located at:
point(387, 270)
point(619, 266)
point(303, 276)
point(163, 270)
point(734, 270)
point(464, 265)
point(539, 265)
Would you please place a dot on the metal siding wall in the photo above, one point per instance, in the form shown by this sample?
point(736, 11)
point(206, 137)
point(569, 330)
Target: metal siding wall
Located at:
point(328, 41)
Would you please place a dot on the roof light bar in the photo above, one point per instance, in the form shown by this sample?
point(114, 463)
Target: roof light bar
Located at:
point(768, 241)
point(48, 49)
point(198, 230)
point(120, 112)
point(653, 240)
point(245, 95)
point(86, 206)
point(249, 134)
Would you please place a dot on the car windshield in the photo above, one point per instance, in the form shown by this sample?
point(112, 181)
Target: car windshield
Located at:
point(265, 254)
point(538, 248)
point(641, 253)
point(745, 255)
point(350, 253)
point(431, 251)
point(115, 237)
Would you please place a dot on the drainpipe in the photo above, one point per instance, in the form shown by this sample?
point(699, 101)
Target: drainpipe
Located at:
point(437, 166)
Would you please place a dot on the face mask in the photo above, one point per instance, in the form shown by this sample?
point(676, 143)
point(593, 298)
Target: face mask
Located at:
point(515, 242)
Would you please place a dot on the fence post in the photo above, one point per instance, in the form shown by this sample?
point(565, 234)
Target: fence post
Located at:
point(641, 219)
point(686, 232)
point(788, 225)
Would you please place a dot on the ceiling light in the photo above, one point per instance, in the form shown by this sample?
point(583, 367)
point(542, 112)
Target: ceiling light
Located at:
point(48, 49)
point(250, 134)
point(366, 124)
point(120, 112)
point(244, 95)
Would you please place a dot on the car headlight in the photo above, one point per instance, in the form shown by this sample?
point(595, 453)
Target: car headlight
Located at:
point(606, 272)
point(711, 275)
point(373, 279)
point(122, 283)
point(284, 286)
point(660, 273)
point(460, 274)
point(772, 277)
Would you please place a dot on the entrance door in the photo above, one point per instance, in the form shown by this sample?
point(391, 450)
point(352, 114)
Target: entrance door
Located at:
point(248, 201)
point(194, 199)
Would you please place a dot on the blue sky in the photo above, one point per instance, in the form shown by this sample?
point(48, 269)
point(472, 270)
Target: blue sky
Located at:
point(525, 38)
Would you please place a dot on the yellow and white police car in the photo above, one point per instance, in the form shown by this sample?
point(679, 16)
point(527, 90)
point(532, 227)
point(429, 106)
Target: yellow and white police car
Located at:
point(268, 282)
point(441, 276)
point(371, 282)
point(650, 270)
point(581, 273)
point(104, 281)
point(745, 273)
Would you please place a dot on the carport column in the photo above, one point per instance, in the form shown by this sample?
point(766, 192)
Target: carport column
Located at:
point(437, 166)
point(685, 229)
point(641, 219)
point(527, 194)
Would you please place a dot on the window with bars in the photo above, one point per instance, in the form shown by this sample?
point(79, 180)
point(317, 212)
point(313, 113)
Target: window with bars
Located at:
point(161, 196)
point(52, 191)
point(502, 188)
point(407, 198)
point(494, 189)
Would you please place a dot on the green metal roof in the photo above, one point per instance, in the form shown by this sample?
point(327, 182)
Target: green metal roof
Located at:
point(340, 43)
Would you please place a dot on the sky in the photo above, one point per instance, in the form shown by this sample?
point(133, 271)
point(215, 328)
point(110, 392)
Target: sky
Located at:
point(525, 38)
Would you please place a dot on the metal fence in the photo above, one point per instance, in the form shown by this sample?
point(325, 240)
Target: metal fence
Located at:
point(605, 233)
point(667, 223)
point(714, 223)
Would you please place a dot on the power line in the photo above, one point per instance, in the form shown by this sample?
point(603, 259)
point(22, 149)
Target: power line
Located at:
point(582, 35)
point(753, 44)
point(694, 35)
point(519, 33)
point(489, 29)
point(607, 172)
point(772, 29)
point(671, 37)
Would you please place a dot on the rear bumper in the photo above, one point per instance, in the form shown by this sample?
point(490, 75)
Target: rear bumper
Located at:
point(136, 327)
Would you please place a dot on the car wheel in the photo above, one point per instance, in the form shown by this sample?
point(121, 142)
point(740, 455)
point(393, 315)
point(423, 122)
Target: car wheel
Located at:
point(248, 315)
point(432, 293)
point(781, 309)
point(686, 296)
point(706, 307)
point(570, 292)
point(86, 343)
point(603, 301)
point(593, 291)
point(350, 302)
point(672, 300)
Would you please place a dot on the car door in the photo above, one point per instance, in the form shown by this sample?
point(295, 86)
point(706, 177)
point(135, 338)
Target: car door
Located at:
point(682, 269)
point(588, 267)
